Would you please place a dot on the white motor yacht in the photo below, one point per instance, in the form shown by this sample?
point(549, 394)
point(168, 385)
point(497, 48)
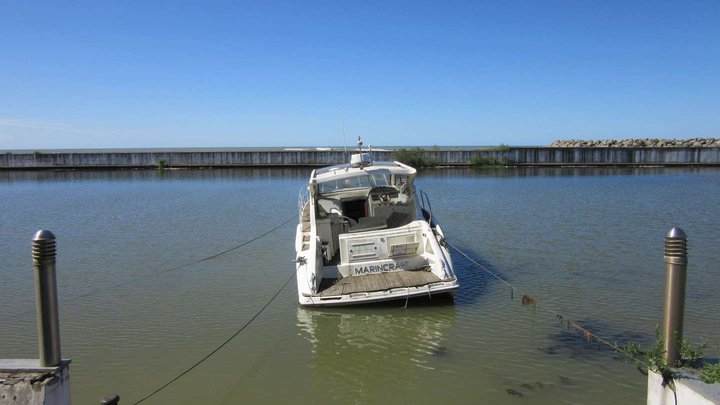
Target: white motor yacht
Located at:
point(361, 237)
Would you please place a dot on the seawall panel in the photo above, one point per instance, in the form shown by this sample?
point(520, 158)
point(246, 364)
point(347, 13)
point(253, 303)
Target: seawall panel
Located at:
point(521, 156)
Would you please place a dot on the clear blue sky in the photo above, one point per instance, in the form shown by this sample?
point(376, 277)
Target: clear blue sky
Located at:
point(190, 74)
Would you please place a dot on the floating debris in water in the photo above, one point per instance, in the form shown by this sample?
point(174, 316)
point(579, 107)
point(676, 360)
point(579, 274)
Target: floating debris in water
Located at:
point(527, 386)
point(539, 384)
point(513, 392)
point(548, 350)
point(565, 380)
point(527, 301)
point(440, 351)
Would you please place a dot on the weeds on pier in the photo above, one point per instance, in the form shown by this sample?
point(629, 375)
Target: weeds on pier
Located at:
point(481, 161)
point(711, 373)
point(415, 157)
point(650, 357)
point(500, 148)
point(690, 356)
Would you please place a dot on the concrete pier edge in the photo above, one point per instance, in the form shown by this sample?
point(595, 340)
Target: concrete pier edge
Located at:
point(317, 157)
point(686, 387)
point(25, 381)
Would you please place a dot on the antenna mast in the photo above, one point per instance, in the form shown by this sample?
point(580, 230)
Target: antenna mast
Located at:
point(342, 126)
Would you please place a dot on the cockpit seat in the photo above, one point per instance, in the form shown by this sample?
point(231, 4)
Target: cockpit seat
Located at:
point(369, 224)
point(398, 219)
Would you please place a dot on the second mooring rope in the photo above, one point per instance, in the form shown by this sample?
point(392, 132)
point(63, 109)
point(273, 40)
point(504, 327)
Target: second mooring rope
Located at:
point(223, 344)
point(529, 301)
point(234, 247)
point(145, 276)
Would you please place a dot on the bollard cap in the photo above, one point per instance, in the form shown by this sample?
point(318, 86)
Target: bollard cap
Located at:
point(113, 399)
point(676, 233)
point(43, 247)
point(676, 246)
point(44, 234)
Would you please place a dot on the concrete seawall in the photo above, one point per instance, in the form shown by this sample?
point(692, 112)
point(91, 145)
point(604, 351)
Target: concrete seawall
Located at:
point(519, 156)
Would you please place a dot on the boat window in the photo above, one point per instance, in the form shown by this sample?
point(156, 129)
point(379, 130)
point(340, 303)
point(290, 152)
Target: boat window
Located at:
point(400, 179)
point(374, 178)
point(346, 183)
point(381, 179)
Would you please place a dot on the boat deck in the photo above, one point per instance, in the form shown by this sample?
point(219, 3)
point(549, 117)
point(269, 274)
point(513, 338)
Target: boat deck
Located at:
point(376, 282)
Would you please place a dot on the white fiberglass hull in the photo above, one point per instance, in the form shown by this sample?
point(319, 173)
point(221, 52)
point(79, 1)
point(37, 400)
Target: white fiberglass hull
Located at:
point(443, 288)
point(359, 240)
point(438, 263)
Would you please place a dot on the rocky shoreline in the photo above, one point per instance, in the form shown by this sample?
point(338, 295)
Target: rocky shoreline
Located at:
point(639, 143)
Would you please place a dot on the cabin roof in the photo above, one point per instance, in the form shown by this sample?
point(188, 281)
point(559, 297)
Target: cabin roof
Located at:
point(346, 170)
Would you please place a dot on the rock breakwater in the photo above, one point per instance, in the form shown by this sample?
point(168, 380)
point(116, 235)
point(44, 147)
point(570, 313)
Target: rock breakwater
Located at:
point(639, 143)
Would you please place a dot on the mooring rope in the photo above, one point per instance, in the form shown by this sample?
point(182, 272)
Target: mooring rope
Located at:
point(223, 344)
point(145, 277)
point(529, 301)
point(234, 247)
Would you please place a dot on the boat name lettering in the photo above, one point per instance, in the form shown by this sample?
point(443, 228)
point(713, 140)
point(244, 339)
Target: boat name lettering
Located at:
point(380, 268)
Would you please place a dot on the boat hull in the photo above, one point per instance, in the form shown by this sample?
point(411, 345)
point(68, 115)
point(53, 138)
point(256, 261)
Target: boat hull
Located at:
point(360, 240)
point(440, 288)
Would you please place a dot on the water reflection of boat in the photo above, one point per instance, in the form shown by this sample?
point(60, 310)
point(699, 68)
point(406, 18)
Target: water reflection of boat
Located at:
point(360, 240)
point(361, 353)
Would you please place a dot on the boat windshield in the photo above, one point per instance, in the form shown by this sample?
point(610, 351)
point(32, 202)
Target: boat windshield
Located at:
point(366, 180)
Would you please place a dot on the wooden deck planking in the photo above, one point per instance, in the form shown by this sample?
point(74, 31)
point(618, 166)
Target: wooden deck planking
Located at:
point(394, 278)
point(376, 282)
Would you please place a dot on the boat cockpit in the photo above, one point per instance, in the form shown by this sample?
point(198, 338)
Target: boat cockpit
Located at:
point(359, 201)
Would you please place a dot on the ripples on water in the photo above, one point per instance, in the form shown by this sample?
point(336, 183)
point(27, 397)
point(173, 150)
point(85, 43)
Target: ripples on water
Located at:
point(585, 243)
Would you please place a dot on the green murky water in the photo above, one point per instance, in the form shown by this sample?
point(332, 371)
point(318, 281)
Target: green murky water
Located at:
point(585, 243)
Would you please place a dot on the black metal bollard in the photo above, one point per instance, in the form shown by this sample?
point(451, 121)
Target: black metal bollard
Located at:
point(675, 280)
point(46, 303)
point(113, 399)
